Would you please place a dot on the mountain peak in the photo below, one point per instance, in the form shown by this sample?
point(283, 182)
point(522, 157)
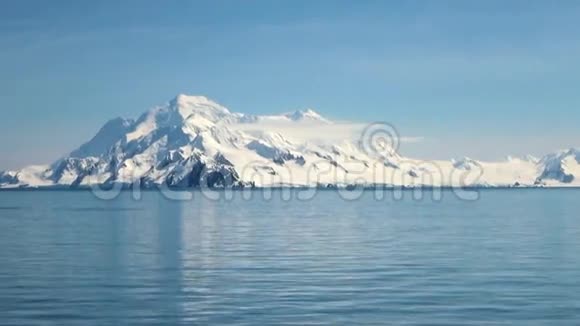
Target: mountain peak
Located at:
point(192, 100)
point(307, 114)
point(197, 104)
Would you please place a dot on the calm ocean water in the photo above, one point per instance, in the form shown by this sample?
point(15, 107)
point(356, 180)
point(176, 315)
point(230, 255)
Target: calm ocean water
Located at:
point(510, 258)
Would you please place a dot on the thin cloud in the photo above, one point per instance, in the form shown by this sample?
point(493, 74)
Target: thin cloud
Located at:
point(303, 132)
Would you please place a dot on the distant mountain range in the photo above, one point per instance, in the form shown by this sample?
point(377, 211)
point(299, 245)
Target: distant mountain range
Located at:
point(194, 142)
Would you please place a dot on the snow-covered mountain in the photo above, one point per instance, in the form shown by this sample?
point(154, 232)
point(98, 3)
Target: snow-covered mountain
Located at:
point(194, 142)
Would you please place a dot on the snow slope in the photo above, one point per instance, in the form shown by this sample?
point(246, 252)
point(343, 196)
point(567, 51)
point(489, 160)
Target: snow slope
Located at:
point(194, 142)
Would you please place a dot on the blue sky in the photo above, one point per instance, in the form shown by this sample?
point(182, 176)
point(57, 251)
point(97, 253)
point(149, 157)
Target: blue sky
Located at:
point(477, 78)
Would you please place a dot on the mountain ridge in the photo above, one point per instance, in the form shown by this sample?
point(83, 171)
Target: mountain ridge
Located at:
point(192, 141)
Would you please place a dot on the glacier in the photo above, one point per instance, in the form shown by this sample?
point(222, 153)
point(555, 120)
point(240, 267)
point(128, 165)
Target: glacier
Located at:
point(192, 141)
